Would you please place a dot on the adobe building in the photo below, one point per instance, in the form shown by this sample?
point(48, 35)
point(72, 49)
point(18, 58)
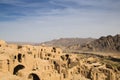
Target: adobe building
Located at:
point(27, 62)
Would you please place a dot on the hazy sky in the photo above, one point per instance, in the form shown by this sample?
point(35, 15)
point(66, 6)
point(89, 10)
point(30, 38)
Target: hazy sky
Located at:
point(43, 20)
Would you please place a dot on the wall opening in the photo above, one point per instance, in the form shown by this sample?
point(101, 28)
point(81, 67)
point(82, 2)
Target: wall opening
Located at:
point(17, 68)
point(33, 76)
point(54, 49)
point(19, 57)
point(19, 46)
point(41, 49)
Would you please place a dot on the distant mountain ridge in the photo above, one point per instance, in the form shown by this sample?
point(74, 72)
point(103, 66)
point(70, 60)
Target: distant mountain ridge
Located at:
point(64, 43)
point(108, 43)
point(103, 44)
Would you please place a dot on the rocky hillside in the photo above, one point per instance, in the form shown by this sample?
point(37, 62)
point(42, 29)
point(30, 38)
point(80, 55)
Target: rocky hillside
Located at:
point(108, 43)
point(66, 42)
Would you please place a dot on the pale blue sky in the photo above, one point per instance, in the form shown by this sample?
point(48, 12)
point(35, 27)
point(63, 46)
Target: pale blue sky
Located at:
point(44, 20)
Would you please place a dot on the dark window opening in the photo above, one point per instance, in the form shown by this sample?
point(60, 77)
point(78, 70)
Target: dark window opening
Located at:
point(34, 56)
point(49, 54)
point(67, 56)
point(41, 49)
point(54, 49)
point(19, 57)
point(23, 55)
point(19, 46)
point(17, 68)
point(47, 58)
point(33, 76)
point(14, 57)
point(64, 75)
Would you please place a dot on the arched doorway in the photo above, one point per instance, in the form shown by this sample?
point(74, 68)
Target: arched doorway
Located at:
point(17, 68)
point(33, 76)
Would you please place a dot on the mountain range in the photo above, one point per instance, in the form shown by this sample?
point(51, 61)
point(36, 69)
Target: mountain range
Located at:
point(103, 44)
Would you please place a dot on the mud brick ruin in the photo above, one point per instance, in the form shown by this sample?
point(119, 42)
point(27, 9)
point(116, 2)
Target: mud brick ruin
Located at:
point(27, 62)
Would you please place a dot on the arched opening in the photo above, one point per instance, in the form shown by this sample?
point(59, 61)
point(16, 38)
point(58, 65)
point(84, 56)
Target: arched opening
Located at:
point(33, 76)
point(17, 68)
point(19, 57)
